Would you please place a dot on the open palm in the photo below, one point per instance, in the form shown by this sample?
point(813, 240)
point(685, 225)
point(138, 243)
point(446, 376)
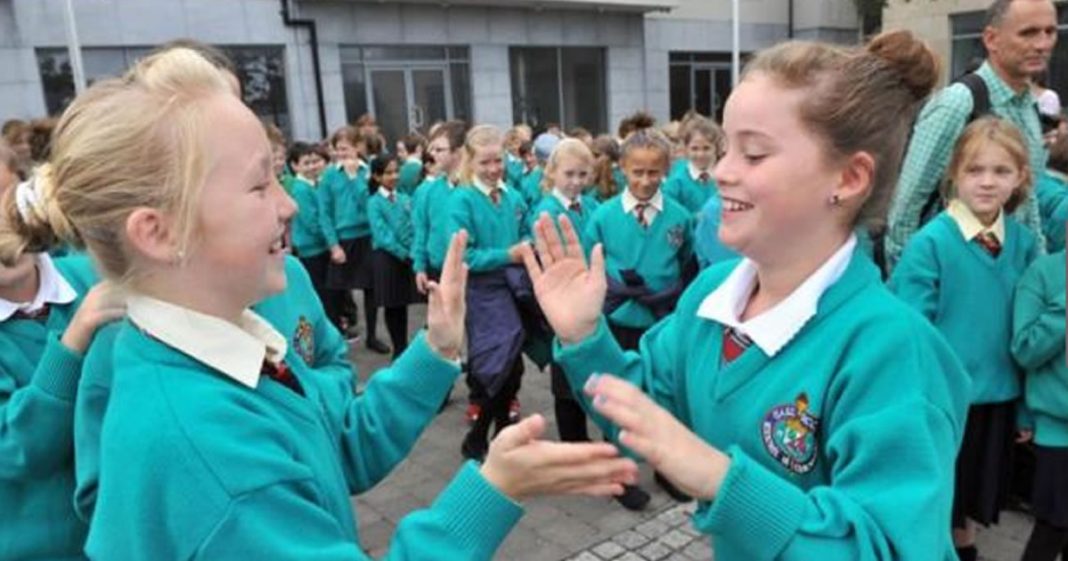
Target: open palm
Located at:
point(571, 294)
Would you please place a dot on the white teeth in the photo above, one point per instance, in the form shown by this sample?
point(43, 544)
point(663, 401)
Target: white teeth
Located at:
point(731, 205)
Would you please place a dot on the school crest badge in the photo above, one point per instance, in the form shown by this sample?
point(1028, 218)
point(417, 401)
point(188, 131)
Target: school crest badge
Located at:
point(789, 435)
point(676, 236)
point(304, 341)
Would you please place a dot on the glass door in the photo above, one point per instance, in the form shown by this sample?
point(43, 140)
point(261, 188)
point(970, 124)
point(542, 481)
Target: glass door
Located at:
point(389, 101)
point(408, 99)
point(430, 98)
point(711, 86)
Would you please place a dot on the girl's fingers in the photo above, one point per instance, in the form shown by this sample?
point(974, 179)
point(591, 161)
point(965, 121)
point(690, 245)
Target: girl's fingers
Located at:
point(454, 256)
point(541, 240)
point(598, 490)
point(641, 445)
point(553, 244)
point(571, 241)
point(597, 263)
point(531, 262)
point(621, 413)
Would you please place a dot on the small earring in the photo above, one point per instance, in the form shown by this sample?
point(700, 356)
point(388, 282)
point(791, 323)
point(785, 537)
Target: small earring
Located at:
point(835, 201)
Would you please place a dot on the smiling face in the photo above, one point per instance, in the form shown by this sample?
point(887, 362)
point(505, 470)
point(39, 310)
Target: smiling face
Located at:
point(645, 169)
point(775, 179)
point(570, 175)
point(241, 213)
point(487, 163)
point(700, 151)
point(987, 179)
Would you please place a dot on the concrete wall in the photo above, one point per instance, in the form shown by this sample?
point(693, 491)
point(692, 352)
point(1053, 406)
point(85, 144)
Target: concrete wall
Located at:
point(930, 21)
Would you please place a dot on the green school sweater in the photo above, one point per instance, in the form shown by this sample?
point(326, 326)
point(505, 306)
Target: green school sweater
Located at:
point(391, 224)
point(306, 229)
point(658, 253)
point(430, 224)
point(343, 204)
point(689, 192)
point(842, 445)
point(967, 295)
point(679, 167)
point(296, 313)
point(409, 176)
point(223, 471)
point(554, 208)
point(491, 230)
point(513, 169)
point(1038, 346)
point(38, 384)
point(1051, 192)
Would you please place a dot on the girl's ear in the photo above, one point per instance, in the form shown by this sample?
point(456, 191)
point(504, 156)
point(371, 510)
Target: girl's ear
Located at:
point(856, 178)
point(152, 234)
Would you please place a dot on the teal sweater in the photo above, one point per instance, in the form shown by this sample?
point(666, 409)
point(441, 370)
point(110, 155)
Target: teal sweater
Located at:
point(391, 224)
point(296, 313)
point(1038, 346)
point(842, 445)
point(306, 228)
point(513, 169)
point(1051, 192)
point(530, 186)
point(227, 472)
point(967, 295)
point(410, 176)
point(658, 253)
point(38, 384)
point(491, 230)
point(689, 192)
point(554, 208)
point(430, 224)
point(343, 205)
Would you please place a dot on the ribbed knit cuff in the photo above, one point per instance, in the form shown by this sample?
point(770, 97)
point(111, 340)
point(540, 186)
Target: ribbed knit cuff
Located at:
point(476, 513)
point(59, 369)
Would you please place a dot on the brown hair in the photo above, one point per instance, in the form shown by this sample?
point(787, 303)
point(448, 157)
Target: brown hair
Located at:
point(41, 138)
point(154, 118)
point(982, 132)
point(708, 129)
point(860, 100)
point(454, 131)
point(606, 154)
point(1058, 153)
point(274, 135)
point(637, 121)
point(8, 157)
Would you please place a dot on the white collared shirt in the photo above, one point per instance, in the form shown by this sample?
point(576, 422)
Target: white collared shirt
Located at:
point(564, 199)
point(969, 224)
point(386, 193)
point(237, 351)
point(485, 189)
point(774, 328)
point(656, 205)
point(52, 288)
point(695, 173)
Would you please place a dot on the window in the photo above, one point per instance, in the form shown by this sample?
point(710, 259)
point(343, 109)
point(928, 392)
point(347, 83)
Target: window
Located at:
point(564, 85)
point(699, 81)
point(406, 88)
point(968, 50)
point(260, 69)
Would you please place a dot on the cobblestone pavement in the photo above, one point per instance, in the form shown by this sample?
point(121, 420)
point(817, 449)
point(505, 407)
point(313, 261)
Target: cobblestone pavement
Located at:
point(562, 528)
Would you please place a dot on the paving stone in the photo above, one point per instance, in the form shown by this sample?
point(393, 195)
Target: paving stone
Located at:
point(676, 539)
point(586, 556)
point(630, 539)
point(609, 550)
point(655, 551)
point(698, 551)
point(652, 529)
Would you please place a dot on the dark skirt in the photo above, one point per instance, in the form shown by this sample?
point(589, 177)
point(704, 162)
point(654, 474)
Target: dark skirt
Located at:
point(984, 463)
point(1050, 497)
point(394, 282)
point(356, 272)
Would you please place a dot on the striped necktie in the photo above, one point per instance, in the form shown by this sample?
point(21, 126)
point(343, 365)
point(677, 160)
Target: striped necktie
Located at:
point(280, 372)
point(989, 242)
point(734, 344)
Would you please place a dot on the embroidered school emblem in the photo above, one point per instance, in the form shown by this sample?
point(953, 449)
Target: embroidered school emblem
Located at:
point(789, 435)
point(304, 341)
point(676, 236)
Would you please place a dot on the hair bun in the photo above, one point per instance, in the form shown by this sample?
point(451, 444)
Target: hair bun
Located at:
point(913, 61)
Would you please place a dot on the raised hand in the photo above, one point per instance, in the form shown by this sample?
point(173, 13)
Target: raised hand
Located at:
point(446, 301)
point(571, 294)
point(691, 464)
point(104, 303)
point(521, 465)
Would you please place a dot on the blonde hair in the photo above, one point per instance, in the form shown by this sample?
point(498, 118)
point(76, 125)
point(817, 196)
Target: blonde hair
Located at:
point(859, 100)
point(124, 144)
point(982, 132)
point(481, 136)
point(567, 148)
point(709, 130)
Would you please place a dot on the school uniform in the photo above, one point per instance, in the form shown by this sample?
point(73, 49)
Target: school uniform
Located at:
point(495, 220)
point(247, 457)
point(707, 246)
point(678, 167)
point(306, 232)
point(841, 415)
point(38, 383)
point(579, 211)
point(1038, 347)
point(530, 186)
point(430, 225)
point(410, 175)
point(391, 237)
point(343, 220)
point(691, 187)
point(1051, 193)
point(513, 169)
point(960, 275)
point(620, 178)
point(648, 250)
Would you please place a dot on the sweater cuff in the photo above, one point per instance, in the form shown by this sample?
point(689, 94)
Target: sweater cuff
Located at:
point(755, 510)
point(600, 342)
point(59, 369)
point(434, 374)
point(477, 515)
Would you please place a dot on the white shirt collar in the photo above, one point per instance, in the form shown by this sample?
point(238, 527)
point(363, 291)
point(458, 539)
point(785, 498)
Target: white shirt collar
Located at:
point(969, 224)
point(485, 189)
point(695, 173)
point(237, 351)
point(52, 288)
point(773, 329)
point(630, 201)
point(415, 160)
point(564, 199)
point(385, 192)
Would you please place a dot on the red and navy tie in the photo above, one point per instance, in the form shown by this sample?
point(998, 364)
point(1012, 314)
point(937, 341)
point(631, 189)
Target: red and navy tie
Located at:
point(989, 242)
point(495, 196)
point(639, 213)
point(704, 177)
point(280, 372)
point(40, 314)
point(734, 344)
point(575, 206)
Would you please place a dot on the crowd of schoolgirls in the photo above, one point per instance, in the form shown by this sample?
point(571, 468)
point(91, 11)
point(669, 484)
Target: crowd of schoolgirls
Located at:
point(704, 294)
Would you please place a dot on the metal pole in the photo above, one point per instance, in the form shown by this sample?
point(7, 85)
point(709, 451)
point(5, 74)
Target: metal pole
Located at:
point(735, 43)
point(74, 48)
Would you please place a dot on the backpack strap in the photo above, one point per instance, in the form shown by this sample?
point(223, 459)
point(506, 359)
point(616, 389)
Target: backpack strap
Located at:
point(980, 95)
